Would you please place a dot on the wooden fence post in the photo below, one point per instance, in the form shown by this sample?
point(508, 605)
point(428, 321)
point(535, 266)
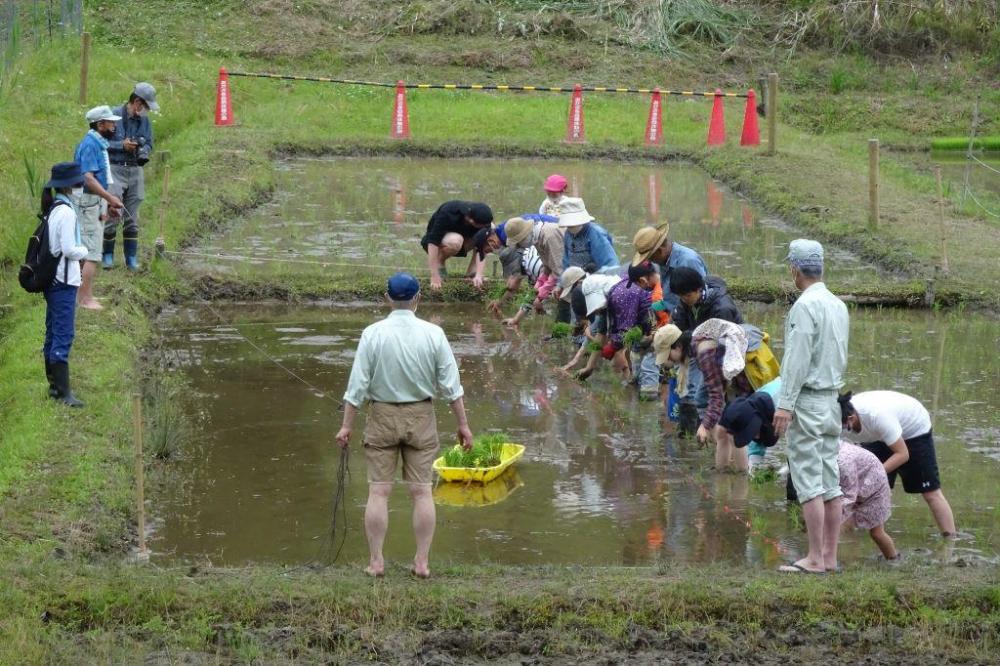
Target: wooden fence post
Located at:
point(140, 471)
point(942, 225)
point(772, 113)
point(84, 66)
point(873, 217)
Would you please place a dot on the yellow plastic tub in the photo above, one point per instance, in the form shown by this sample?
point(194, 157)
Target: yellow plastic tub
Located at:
point(511, 453)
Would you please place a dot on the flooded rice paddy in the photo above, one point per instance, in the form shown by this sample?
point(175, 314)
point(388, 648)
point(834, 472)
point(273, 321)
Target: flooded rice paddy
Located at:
point(604, 479)
point(370, 213)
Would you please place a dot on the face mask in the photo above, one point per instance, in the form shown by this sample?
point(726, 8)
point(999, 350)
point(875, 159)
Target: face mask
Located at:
point(77, 192)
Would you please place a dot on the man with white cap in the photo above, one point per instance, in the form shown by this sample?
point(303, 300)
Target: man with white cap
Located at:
point(812, 372)
point(587, 244)
point(129, 150)
point(92, 156)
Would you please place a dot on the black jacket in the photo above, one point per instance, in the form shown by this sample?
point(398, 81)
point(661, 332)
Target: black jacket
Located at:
point(715, 303)
point(449, 217)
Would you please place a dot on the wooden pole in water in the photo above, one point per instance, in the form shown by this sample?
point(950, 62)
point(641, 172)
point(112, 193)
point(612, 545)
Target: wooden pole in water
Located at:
point(943, 228)
point(161, 244)
point(772, 113)
point(873, 217)
point(84, 66)
point(139, 474)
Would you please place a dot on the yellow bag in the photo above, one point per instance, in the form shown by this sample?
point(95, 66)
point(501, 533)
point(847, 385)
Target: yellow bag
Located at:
point(762, 366)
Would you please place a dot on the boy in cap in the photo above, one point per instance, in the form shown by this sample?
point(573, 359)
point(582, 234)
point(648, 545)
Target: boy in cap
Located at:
point(450, 233)
point(401, 364)
point(92, 156)
point(129, 150)
point(812, 373)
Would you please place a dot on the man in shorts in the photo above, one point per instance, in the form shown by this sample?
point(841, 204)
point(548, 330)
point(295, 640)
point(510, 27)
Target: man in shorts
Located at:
point(812, 373)
point(92, 156)
point(897, 429)
point(401, 364)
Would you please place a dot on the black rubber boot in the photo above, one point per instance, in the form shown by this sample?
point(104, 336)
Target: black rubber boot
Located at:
point(60, 373)
point(53, 391)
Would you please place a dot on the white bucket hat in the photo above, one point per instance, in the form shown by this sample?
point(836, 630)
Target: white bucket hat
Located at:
point(595, 291)
point(573, 212)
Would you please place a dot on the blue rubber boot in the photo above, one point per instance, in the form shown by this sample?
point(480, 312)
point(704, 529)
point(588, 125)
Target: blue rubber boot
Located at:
point(108, 258)
point(131, 247)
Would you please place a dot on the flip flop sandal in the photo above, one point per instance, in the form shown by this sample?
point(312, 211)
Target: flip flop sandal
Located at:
point(799, 569)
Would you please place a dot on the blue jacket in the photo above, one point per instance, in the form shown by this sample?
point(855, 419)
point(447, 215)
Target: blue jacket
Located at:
point(590, 248)
point(680, 255)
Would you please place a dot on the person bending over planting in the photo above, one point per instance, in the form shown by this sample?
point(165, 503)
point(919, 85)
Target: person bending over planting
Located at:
point(450, 233)
point(589, 301)
point(897, 429)
point(401, 364)
point(629, 307)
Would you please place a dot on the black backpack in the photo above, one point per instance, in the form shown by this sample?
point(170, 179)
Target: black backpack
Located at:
point(39, 268)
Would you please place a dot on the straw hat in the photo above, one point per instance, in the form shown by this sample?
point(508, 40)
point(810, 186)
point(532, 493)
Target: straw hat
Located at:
point(647, 240)
point(517, 229)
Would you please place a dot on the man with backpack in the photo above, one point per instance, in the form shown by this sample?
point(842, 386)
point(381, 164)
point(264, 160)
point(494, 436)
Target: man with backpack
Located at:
point(92, 156)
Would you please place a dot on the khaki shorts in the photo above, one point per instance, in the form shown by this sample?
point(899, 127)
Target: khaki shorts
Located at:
point(812, 445)
point(88, 209)
point(408, 430)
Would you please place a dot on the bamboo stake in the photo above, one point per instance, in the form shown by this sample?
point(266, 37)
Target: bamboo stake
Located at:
point(943, 228)
point(84, 67)
point(873, 204)
point(143, 553)
point(772, 113)
point(161, 244)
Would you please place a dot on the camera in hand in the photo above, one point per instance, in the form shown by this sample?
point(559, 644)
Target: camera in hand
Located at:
point(142, 150)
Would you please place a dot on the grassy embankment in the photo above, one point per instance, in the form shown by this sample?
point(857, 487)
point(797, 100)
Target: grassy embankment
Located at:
point(66, 512)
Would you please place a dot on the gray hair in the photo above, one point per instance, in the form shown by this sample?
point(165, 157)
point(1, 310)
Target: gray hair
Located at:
point(810, 270)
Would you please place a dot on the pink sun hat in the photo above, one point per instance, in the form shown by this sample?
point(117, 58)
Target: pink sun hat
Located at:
point(556, 183)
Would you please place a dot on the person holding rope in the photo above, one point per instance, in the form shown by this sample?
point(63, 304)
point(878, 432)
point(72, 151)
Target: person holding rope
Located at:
point(129, 150)
point(402, 362)
point(450, 233)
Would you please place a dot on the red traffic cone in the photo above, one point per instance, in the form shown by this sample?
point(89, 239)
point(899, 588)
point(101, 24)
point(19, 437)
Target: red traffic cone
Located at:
point(223, 100)
point(717, 126)
point(654, 125)
point(400, 115)
point(574, 124)
point(751, 133)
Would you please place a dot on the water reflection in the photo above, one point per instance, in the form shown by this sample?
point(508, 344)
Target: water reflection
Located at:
point(604, 480)
point(370, 213)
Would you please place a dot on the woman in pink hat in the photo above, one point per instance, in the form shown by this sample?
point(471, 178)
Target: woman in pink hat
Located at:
point(555, 192)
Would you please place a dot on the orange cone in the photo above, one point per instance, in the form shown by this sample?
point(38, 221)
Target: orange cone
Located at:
point(717, 126)
point(751, 132)
point(223, 100)
point(400, 115)
point(574, 124)
point(654, 125)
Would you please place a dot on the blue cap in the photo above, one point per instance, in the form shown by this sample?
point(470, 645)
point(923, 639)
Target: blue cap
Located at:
point(402, 287)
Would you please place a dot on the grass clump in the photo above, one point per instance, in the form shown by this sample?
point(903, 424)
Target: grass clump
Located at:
point(561, 330)
point(632, 336)
point(486, 451)
point(962, 143)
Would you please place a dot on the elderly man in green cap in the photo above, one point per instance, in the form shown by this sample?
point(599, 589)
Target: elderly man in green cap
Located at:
point(812, 373)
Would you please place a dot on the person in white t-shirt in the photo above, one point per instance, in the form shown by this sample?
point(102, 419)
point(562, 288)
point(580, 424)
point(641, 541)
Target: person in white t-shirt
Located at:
point(897, 429)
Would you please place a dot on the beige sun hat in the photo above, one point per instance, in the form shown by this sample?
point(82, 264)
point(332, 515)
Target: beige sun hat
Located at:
point(573, 212)
point(568, 279)
point(663, 340)
point(595, 291)
point(517, 229)
point(647, 240)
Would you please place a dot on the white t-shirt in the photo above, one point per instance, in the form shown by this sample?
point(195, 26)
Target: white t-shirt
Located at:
point(64, 240)
point(888, 415)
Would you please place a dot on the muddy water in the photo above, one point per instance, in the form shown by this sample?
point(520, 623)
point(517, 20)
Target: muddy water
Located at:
point(370, 213)
point(604, 480)
point(983, 176)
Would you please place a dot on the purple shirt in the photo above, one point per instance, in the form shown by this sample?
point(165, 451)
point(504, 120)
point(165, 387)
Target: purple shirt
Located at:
point(627, 307)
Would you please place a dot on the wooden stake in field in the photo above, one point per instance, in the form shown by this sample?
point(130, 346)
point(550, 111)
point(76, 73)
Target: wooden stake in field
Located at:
point(84, 66)
point(873, 205)
point(140, 501)
point(161, 244)
point(942, 227)
point(772, 113)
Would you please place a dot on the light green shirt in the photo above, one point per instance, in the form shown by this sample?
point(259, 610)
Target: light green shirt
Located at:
point(403, 359)
point(816, 331)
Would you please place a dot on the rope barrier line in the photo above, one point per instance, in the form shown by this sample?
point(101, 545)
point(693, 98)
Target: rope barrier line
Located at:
point(484, 86)
point(983, 164)
point(986, 210)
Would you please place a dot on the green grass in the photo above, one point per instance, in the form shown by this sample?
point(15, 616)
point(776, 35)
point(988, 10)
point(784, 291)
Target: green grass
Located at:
point(67, 513)
point(962, 143)
point(486, 451)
